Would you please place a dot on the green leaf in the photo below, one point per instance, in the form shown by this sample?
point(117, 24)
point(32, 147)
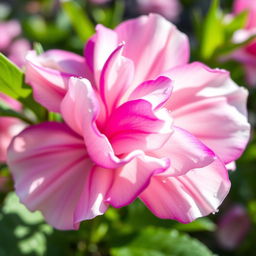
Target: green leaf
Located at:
point(238, 22)
point(197, 23)
point(252, 210)
point(38, 29)
point(54, 117)
point(140, 217)
point(38, 48)
point(230, 47)
point(22, 232)
point(12, 84)
point(250, 153)
point(80, 21)
point(102, 15)
point(162, 242)
point(118, 12)
point(135, 251)
point(6, 111)
point(12, 79)
point(12, 206)
point(213, 32)
point(109, 16)
point(39, 111)
point(202, 224)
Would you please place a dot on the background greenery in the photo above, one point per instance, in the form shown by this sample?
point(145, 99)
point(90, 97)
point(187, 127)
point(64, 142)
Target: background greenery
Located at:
point(132, 230)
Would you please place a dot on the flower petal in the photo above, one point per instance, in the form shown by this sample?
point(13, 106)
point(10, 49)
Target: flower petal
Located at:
point(170, 9)
point(12, 103)
point(18, 50)
point(184, 198)
point(92, 200)
point(190, 79)
point(217, 124)
point(116, 77)
point(186, 152)
point(195, 81)
point(246, 5)
point(157, 91)
point(231, 166)
point(9, 126)
point(98, 49)
point(131, 179)
point(158, 47)
point(135, 126)
point(80, 109)
point(49, 73)
point(208, 104)
point(50, 165)
point(8, 31)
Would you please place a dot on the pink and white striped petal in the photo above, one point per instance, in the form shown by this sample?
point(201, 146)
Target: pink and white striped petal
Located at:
point(80, 109)
point(50, 172)
point(186, 152)
point(217, 124)
point(157, 91)
point(208, 104)
point(49, 73)
point(130, 180)
point(98, 49)
point(135, 126)
point(158, 47)
point(116, 78)
point(92, 201)
point(184, 198)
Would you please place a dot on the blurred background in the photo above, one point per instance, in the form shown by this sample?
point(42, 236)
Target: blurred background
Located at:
point(133, 231)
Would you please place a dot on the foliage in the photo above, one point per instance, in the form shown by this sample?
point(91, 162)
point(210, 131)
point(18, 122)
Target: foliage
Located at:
point(131, 231)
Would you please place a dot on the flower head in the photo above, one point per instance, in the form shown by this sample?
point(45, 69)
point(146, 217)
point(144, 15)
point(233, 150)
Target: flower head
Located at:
point(250, 7)
point(246, 54)
point(170, 9)
point(233, 226)
point(8, 126)
point(15, 49)
point(139, 121)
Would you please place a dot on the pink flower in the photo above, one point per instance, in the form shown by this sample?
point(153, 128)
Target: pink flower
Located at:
point(246, 5)
point(14, 49)
point(18, 51)
point(170, 9)
point(139, 122)
point(233, 226)
point(8, 31)
point(247, 54)
point(8, 126)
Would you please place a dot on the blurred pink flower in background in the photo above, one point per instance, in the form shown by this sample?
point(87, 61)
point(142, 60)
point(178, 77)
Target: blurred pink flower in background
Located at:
point(18, 50)
point(8, 31)
point(233, 227)
point(248, 5)
point(247, 54)
point(8, 126)
point(139, 122)
point(14, 49)
point(170, 9)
